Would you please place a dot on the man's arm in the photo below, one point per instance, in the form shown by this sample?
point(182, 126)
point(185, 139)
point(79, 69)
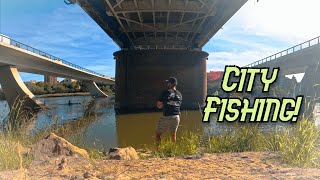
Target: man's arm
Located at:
point(161, 100)
point(159, 104)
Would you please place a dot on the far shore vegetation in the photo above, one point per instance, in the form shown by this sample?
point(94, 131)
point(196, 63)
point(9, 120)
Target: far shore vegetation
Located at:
point(59, 89)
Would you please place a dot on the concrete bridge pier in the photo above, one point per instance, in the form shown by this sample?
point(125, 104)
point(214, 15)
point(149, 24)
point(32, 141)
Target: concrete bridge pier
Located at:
point(94, 89)
point(310, 88)
point(140, 76)
point(16, 92)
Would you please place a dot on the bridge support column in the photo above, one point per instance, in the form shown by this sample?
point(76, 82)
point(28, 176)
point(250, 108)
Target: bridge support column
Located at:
point(310, 88)
point(94, 89)
point(140, 76)
point(16, 92)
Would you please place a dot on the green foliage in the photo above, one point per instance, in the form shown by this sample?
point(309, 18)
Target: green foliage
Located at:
point(35, 89)
point(41, 88)
point(11, 154)
point(106, 89)
point(299, 145)
point(95, 154)
point(187, 144)
point(237, 139)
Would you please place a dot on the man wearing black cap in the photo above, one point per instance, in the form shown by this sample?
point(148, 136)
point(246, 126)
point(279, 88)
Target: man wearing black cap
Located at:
point(170, 101)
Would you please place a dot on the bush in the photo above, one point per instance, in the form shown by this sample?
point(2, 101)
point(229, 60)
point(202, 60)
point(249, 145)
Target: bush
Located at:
point(237, 139)
point(45, 88)
point(299, 145)
point(187, 144)
point(35, 89)
point(11, 154)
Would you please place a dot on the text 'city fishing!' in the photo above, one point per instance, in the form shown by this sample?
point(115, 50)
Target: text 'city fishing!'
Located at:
point(265, 109)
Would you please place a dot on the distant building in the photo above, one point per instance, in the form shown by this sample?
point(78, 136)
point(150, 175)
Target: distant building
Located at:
point(33, 81)
point(214, 75)
point(50, 79)
point(214, 81)
point(68, 80)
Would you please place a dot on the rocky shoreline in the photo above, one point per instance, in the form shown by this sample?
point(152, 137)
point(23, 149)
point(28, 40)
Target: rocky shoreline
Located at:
point(56, 158)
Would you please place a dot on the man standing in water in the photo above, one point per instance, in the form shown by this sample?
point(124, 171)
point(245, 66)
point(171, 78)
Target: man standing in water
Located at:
point(170, 101)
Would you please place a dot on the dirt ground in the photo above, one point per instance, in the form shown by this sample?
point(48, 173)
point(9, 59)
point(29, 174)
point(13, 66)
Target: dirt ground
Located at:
point(247, 165)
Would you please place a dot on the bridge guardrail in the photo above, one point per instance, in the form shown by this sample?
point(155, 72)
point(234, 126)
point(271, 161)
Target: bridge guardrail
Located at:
point(18, 44)
point(296, 48)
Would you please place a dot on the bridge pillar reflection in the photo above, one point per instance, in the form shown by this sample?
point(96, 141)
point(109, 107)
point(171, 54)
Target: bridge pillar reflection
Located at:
point(140, 76)
point(16, 92)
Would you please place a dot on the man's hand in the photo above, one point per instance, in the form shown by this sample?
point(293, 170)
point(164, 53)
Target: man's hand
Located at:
point(159, 104)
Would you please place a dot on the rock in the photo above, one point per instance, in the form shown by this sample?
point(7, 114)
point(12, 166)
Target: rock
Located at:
point(55, 146)
point(76, 177)
point(62, 164)
point(25, 151)
point(86, 175)
point(128, 153)
point(197, 156)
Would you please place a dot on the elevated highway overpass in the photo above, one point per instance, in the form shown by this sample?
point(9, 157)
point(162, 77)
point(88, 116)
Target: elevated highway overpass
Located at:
point(302, 58)
point(293, 60)
point(16, 56)
point(159, 39)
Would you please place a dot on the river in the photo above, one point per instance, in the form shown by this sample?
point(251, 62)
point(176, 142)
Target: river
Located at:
point(104, 129)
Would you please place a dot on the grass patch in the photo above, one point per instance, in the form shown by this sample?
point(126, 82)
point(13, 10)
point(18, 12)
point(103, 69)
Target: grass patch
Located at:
point(11, 154)
point(187, 144)
point(236, 139)
point(298, 144)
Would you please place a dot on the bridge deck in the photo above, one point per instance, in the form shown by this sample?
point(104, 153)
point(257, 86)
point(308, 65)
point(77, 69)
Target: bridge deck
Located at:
point(161, 24)
point(31, 60)
point(293, 60)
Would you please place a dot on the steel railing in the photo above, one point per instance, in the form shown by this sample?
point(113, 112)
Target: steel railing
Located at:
point(18, 44)
point(293, 49)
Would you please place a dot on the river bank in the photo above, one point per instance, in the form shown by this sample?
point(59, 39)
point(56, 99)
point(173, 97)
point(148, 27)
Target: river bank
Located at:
point(55, 158)
point(246, 165)
point(67, 94)
point(2, 97)
point(63, 94)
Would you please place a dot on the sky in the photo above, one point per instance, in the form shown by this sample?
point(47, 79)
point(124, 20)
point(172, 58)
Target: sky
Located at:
point(257, 30)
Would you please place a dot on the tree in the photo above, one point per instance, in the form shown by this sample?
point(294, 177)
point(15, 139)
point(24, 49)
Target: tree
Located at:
point(35, 89)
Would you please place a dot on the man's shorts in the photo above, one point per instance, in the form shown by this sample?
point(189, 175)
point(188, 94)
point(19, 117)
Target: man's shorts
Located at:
point(170, 123)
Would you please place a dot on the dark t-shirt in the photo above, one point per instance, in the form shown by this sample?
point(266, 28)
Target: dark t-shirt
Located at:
point(172, 100)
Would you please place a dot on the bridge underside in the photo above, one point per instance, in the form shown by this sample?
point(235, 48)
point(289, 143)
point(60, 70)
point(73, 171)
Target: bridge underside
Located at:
point(159, 39)
point(161, 24)
point(141, 75)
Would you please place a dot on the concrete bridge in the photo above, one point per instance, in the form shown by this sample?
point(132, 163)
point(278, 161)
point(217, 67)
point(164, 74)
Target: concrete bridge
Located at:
point(16, 56)
point(159, 39)
point(302, 58)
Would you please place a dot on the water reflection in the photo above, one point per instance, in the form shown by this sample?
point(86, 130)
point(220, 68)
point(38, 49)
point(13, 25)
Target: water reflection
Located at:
point(139, 129)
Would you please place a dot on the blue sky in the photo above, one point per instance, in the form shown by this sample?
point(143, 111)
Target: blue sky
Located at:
point(257, 30)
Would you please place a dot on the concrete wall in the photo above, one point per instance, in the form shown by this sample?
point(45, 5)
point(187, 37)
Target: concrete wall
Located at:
point(140, 77)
